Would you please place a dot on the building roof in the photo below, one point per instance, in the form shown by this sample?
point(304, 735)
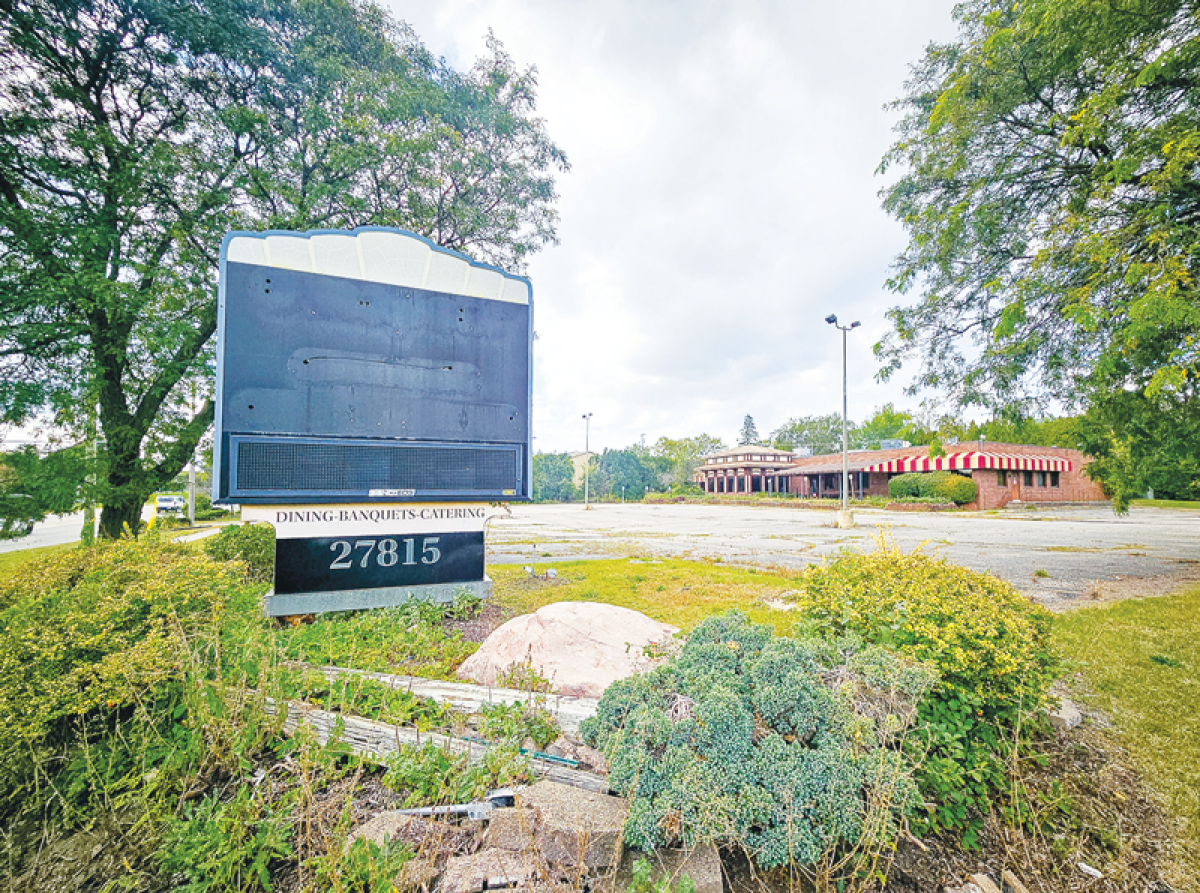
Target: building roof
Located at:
point(757, 449)
point(964, 456)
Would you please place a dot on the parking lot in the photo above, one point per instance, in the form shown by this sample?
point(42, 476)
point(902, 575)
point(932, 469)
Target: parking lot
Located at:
point(1059, 555)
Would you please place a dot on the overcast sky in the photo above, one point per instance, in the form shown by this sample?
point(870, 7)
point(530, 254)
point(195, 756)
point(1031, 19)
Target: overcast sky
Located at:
point(722, 202)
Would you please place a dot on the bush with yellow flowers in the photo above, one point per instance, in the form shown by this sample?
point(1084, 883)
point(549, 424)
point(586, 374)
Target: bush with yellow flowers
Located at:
point(989, 643)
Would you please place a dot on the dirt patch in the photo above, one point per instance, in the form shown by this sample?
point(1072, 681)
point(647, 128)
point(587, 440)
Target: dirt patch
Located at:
point(480, 625)
point(1123, 587)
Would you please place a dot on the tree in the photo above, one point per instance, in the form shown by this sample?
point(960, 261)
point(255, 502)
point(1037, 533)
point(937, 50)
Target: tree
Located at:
point(133, 133)
point(1050, 194)
point(553, 478)
point(628, 469)
point(888, 423)
point(749, 433)
point(682, 456)
point(819, 433)
point(32, 486)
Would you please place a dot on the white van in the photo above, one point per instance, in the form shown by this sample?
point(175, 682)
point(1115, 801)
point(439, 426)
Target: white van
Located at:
point(172, 504)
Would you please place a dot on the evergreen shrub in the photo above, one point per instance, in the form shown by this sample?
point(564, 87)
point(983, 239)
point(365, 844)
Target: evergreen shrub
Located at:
point(990, 645)
point(781, 746)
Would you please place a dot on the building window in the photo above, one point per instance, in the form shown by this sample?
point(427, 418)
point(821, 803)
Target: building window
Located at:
point(1054, 479)
point(1028, 478)
point(1041, 478)
point(1001, 478)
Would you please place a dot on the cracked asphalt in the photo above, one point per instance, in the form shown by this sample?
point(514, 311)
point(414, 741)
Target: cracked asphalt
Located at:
point(1058, 555)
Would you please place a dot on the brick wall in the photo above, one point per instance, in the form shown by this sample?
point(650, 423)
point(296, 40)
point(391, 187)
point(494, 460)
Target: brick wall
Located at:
point(1073, 485)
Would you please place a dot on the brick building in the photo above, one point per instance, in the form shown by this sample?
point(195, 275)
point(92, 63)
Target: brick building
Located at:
point(746, 469)
point(1004, 472)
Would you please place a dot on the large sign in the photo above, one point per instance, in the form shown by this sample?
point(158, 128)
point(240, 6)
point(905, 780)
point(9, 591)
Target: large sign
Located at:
point(373, 396)
point(369, 366)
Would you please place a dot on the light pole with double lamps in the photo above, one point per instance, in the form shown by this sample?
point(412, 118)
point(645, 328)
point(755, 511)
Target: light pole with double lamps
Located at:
point(845, 518)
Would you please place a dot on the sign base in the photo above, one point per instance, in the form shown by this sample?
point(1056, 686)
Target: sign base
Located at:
point(360, 599)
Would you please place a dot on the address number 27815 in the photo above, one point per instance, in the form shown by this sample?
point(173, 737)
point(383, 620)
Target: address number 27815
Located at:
point(385, 552)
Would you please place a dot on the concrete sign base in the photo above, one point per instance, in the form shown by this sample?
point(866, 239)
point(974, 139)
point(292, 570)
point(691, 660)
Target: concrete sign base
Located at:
point(361, 599)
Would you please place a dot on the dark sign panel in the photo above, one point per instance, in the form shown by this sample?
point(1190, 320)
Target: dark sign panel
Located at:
point(369, 366)
point(336, 563)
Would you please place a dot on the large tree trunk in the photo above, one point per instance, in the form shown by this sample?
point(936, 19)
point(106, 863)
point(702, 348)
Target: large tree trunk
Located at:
point(128, 484)
point(120, 515)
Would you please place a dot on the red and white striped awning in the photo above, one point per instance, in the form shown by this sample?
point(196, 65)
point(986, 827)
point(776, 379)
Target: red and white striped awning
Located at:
point(966, 461)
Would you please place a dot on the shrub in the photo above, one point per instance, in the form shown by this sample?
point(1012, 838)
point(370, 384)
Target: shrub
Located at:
point(253, 544)
point(949, 487)
point(905, 485)
point(751, 739)
point(95, 634)
point(940, 486)
point(989, 643)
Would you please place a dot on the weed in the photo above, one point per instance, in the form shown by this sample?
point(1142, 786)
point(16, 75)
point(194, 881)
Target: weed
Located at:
point(1041, 573)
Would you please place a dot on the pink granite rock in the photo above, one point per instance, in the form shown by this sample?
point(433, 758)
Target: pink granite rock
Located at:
point(581, 647)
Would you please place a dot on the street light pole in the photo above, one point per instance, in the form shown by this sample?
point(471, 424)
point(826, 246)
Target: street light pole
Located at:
point(844, 518)
point(587, 456)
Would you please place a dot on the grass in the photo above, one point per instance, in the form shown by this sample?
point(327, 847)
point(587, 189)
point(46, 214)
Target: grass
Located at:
point(1167, 504)
point(681, 593)
point(14, 559)
point(1141, 660)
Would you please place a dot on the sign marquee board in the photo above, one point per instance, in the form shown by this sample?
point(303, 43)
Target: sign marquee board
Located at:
point(373, 398)
point(369, 366)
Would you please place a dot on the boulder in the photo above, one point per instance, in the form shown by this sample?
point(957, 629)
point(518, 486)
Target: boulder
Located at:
point(1066, 717)
point(580, 647)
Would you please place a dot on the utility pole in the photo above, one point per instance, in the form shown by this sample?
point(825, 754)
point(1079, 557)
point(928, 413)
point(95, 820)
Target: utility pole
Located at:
point(587, 456)
point(845, 519)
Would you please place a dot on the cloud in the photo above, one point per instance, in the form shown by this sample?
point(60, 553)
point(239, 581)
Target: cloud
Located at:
point(722, 202)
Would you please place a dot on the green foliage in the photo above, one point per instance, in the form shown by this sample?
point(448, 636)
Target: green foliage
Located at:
point(903, 486)
point(205, 510)
point(934, 486)
point(516, 722)
point(363, 867)
point(409, 639)
point(253, 544)
point(226, 845)
point(429, 775)
point(634, 469)
point(642, 881)
point(33, 486)
point(360, 696)
point(1049, 160)
point(887, 423)
point(989, 643)
point(820, 433)
point(682, 456)
point(553, 478)
point(749, 433)
point(747, 738)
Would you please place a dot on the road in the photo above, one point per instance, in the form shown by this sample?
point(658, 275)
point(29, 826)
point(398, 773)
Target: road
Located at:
point(1079, 549)
point(54, 531)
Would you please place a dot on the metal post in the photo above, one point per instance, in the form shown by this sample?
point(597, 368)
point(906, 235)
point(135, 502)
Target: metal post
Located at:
point(845, 446)
point(587, 456)
point(845, 519)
